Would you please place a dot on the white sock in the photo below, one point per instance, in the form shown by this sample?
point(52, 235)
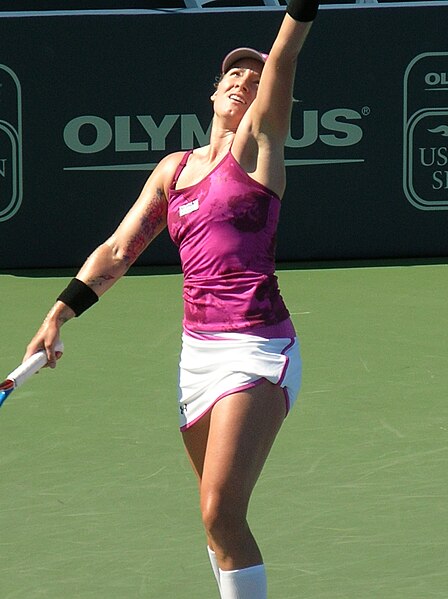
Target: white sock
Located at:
point(248, 583)
point(214, 563)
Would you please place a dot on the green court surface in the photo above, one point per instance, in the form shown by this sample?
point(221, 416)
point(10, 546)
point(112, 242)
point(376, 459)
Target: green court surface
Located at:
point(97, 500)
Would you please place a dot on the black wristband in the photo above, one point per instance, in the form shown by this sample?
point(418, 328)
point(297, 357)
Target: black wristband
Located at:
point(303, 10)
point(78, 296)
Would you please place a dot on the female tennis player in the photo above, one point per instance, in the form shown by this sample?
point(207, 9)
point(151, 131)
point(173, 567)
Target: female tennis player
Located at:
point(240, 364)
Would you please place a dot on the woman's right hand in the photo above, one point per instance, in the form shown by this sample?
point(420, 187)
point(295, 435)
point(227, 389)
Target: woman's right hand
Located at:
point(48, 335)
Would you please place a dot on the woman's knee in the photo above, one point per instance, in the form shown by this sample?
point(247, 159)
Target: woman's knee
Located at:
point(223, 514)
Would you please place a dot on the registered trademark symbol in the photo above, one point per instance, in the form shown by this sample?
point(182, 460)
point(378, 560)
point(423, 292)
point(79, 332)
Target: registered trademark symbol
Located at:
point(365, 110)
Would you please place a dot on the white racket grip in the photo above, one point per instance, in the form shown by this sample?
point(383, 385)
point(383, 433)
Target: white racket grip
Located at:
point(31, 366)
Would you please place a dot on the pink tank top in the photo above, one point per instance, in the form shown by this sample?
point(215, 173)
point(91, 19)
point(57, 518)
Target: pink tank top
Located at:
point(225, 228)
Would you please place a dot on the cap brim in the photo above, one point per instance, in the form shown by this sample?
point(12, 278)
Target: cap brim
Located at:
point(240, 53)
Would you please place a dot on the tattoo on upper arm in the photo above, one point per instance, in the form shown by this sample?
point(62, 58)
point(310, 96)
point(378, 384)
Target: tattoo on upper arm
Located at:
point(150, 225)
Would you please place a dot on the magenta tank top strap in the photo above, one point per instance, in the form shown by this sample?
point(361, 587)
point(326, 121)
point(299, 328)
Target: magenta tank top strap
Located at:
point(180, 168)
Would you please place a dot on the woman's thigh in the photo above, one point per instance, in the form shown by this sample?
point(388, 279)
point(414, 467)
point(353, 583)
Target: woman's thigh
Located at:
point(228, 447)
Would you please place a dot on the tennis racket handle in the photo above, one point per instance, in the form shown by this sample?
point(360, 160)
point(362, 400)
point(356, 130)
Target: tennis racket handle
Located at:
point(31, 366)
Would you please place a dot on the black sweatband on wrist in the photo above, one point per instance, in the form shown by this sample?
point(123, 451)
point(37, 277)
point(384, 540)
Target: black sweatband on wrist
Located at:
point(78, 296)
point(303, 10)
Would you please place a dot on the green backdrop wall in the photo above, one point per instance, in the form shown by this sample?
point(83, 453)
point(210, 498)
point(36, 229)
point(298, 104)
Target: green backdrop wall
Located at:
point(90, 102)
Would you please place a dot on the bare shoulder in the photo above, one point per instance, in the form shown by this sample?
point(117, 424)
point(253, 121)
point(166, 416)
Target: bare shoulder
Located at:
point(171, 160)
point(260, 155)
point(167, 166)
point(163, 174)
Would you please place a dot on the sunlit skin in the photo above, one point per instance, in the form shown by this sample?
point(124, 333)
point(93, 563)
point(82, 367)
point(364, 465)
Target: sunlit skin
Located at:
point(234, 95)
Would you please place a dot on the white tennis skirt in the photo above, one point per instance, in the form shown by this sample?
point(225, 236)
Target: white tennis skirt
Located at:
point(219, 364)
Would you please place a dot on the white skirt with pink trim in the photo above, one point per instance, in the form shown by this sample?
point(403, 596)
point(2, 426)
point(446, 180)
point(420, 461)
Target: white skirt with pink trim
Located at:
point(215, 365)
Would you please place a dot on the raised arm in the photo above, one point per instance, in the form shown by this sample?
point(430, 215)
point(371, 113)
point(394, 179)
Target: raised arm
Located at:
point(271, 110)
point(111, 260)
